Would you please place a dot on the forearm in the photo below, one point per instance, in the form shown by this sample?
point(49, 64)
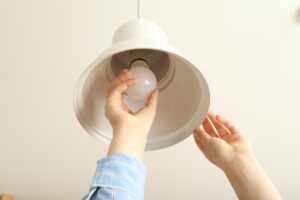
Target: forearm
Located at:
point(249, 180)
point(128, 141)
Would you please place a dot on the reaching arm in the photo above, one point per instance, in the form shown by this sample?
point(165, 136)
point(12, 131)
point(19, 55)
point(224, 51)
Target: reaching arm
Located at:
point(226, 147)
point(130, 130)
point(250, 181)
point(121, 175)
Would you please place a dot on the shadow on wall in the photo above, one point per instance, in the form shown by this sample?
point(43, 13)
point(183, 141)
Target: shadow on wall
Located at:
point(297, 15)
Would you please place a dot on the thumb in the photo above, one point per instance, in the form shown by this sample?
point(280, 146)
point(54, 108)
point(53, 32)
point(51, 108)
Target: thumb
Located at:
point(152, 100)
point(151, 103)
point(202, 137)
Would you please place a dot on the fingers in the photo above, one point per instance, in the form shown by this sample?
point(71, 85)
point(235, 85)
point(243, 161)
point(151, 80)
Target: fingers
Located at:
point(198, 142)
point(124, 75)
point(227, 124)
point(201, 138)
point(152, 100)
point(151, 104)
point(222, 130)
point(122, 87)
point(209, 127)
point(114, 97)
point(120, 84)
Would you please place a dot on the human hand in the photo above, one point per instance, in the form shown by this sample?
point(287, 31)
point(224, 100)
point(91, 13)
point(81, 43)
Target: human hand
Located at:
point(221, 142)
point(130, 130)
point(226, 147)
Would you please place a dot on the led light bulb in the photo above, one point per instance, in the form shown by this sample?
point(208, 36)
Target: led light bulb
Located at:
point(147, 80)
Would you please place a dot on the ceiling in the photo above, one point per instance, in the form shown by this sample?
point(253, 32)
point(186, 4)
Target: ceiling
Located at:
point(249, 51)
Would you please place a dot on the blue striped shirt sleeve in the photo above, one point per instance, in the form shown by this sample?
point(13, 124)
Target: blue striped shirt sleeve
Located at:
point(118, 177)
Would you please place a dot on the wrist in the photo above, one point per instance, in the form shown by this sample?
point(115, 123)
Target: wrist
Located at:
point(249, 179)
point(130, 134)
point(238, 163)
point(128, 140)
point(127, 129)
point(123, 146)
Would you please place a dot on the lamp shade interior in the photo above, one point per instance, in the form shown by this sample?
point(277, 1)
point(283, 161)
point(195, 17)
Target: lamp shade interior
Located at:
point(159, 63)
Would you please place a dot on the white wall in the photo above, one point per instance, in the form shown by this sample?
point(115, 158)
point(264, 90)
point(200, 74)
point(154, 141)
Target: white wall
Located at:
point(249, 52)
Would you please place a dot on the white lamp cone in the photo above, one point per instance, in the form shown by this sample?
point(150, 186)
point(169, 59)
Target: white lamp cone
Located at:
point(184, 94)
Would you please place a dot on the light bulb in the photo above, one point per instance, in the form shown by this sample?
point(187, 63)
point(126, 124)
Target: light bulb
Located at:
point(147, 80)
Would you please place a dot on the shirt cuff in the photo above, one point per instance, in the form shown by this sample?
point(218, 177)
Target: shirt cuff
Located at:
point(122, 172)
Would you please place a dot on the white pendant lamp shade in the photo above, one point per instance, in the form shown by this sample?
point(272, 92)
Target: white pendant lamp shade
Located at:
point(184, 94)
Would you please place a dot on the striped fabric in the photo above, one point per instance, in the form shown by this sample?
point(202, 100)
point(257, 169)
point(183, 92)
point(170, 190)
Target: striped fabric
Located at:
point(118, 177)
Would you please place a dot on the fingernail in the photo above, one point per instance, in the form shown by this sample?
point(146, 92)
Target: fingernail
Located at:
point(196, 135)
point(219, 118)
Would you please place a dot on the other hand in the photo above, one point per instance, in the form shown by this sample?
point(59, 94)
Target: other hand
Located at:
point(221, 142)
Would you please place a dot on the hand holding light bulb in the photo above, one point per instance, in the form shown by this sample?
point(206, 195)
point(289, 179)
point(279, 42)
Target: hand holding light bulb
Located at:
point(130, 129)
point(147, 80)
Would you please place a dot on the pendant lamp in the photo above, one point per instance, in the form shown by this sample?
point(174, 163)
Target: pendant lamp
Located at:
point(184, 94)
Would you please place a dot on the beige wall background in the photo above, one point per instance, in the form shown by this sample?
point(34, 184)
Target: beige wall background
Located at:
point(249, 51)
